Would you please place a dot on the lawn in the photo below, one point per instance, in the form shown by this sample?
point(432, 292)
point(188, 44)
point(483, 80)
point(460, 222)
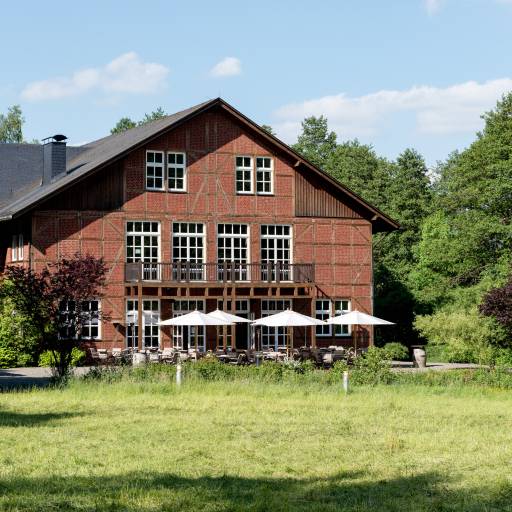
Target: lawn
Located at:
point(216, 446)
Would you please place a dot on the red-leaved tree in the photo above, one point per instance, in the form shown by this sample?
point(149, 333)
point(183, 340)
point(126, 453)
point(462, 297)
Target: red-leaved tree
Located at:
point(40, 297)
point(497, 303)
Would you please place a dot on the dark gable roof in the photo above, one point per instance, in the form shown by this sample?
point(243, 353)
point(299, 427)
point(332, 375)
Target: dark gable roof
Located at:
point(21, 165)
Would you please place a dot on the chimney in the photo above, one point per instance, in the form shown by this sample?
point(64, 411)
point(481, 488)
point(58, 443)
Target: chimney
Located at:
point(54, 157)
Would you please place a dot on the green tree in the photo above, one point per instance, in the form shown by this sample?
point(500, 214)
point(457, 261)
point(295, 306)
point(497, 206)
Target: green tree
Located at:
point(316, 142)
point(11, 125)
point(125, 123)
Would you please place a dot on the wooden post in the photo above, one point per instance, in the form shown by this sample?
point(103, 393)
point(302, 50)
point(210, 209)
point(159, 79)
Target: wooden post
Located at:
point(313, 328)
point(233, 310)
point(140, 334)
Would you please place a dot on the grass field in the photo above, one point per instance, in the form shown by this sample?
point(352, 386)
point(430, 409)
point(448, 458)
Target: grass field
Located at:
point(252, 446)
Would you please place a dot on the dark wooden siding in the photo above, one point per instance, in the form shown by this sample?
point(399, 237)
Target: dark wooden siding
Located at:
point(103, 191)
point(312, 199)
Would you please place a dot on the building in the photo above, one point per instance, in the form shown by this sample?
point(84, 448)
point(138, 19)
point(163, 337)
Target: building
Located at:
point(199, 209)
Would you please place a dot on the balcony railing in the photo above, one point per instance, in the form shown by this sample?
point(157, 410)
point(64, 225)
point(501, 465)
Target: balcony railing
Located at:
point(226, 272)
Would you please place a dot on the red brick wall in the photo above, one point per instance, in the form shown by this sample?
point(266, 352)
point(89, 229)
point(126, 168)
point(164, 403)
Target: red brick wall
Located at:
point(340, 248)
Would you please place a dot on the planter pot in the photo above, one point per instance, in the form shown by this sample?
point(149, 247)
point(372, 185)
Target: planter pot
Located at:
point(420, 357)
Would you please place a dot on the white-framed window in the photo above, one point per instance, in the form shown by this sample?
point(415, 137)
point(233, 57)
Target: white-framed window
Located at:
point(342, 306)
point(243, 175)
point(17, 247)
point(273, 337)
point(90, 319)
point(184, 337)
point(143, 244)
point(323, 312)
point(276, 248)
point(233, 248)
point(242, 329)
point(188, 248)
point(177, 172)
point(150, 319)
point(264, 175)
point(155, 170)
point(324, 309)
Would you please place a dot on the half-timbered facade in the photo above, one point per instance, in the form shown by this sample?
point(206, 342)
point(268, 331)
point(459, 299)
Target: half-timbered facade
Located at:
point(201, 209)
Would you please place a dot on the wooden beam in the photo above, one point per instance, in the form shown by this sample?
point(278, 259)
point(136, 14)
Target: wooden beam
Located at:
point(140, 334)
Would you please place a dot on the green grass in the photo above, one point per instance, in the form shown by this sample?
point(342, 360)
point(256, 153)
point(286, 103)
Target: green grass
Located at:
point(219, 446)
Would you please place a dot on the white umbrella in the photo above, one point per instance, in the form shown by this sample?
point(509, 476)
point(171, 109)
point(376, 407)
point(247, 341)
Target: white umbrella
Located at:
point(357, 318)
point(228, 317)
point(196, 319)
point(287, 319)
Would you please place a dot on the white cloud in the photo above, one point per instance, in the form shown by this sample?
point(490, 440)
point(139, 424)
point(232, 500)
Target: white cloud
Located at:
point(229, 66)
point(125, 74)
point(432, 6)
point(437, 110)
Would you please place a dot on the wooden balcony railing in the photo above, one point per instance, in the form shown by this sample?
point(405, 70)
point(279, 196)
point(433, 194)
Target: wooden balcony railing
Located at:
point(226, 272)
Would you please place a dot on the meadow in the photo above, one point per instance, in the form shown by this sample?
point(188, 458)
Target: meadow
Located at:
point(142, 444)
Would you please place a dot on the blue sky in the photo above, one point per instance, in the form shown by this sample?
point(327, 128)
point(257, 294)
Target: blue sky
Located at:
point(395, 73)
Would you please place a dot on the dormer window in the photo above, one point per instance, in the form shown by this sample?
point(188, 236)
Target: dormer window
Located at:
point(155, 170)
point(17, 248)
point(176, 172)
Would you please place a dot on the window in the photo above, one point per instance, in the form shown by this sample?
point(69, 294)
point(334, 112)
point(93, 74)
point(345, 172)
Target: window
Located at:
point(176, 172)
point(264, 175)
point(150, 319)
point(276, 249)
point(155, 170)
point(89, 318)
point(243, 330)
point(17, 247)
point(184, 337)
point(188, 242)
point(243, 172)
point(143, 244)
point(232, 248)
point(273, 337)
point(324, 311)
point(340, 308)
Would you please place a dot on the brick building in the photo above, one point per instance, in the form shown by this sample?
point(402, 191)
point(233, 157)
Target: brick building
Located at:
point(196, 210)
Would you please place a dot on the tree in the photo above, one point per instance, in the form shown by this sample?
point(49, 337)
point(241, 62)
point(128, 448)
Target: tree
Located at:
point(39, 297)
point(316, 142)
point(497, 303)
point(267, 128)
point(125, 123)
point(11, 125)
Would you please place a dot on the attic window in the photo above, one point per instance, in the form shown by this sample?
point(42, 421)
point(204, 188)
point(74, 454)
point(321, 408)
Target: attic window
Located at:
point(155, 170)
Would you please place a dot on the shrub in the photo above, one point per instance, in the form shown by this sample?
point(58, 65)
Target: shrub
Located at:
point(372, 368)
point(8, 357)
point(395, 352)
point(77, 357)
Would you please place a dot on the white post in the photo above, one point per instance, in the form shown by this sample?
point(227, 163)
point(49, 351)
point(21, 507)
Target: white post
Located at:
point(345, 382)
point(178, 373)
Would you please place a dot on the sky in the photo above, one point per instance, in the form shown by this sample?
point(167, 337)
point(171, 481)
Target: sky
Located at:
point(392, 73)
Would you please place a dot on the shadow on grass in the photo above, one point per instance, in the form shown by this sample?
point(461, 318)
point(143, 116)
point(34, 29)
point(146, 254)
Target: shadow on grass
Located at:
point(145, 492)
point(17, 419)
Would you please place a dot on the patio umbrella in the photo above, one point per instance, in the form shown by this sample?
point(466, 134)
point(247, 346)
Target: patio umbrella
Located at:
point(228, 317)
point(357, 318)
point(287, 319)
point(195, 319)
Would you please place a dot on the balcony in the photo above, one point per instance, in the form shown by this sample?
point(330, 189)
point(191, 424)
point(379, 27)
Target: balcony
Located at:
point(226, 272)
